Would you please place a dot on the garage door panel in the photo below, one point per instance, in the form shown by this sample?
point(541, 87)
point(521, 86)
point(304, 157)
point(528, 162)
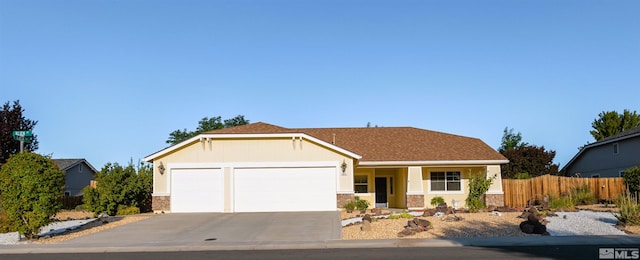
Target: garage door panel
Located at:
point(197, 190)
point(285, 189)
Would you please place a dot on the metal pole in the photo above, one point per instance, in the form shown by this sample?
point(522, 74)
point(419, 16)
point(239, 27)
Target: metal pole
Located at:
point(21, 144)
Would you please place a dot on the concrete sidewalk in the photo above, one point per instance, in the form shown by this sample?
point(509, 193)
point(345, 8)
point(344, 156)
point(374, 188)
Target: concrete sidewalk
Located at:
point(602, 241)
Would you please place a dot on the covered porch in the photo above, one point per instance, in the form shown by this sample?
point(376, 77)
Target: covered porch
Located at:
point(413, 187)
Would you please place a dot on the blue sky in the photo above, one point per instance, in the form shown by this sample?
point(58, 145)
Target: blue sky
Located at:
point(109, 80)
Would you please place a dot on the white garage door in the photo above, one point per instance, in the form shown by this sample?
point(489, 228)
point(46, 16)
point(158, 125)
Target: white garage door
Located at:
point(197, 190)
point(285, 189)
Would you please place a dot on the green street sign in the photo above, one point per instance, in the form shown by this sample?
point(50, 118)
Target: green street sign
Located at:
point(22, 135)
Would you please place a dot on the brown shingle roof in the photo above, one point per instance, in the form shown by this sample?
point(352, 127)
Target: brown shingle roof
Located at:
point(387, 143)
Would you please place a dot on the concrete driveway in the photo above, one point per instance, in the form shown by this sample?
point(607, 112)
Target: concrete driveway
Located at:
point(197, 229)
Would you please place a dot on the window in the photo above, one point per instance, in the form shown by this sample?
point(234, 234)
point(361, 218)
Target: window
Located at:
point(67, 193)
point(597, 175)
point(360, 183)
point(80, 170)
point(391, 185)
point(615, 148)
point(445, 181)
point(621, 174)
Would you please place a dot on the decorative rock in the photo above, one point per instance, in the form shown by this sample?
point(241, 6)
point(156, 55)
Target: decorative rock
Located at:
point(422, 222)
point(429, 212)
point(406, 232)
point(376, 211)
point(366, 218)
point(412, 224)
point(448, 210)
point(442, 208)
point(526, 227)
point(366, 226)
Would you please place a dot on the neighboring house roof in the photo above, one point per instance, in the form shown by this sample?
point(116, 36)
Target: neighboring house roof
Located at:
point(390, 145)
point(65, 164)
point(628, 134)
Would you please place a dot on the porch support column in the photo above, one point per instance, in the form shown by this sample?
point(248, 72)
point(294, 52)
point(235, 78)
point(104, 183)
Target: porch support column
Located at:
point(415, 192)
point(495, 195)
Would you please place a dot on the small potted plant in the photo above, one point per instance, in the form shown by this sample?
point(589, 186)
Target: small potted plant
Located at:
point(350, 206)
point(437, 200)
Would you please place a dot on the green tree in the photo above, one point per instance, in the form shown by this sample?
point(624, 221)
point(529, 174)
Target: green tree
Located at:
point(12, 119)
point(119, 186)
point(631, 179)
point(32, 187)
point(611, 123)
point(534, 160)
point(204, 125)
point(511, 140)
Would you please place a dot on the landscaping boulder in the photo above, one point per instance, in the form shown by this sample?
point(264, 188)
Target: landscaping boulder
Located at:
point(367, 218)
point(429, 212)
point(376, 211)
point(534, 223)
point(414, 226)
point(442, 208)
point(366, 226)
point(406, 232)
point(423, 224)
point(448, 210)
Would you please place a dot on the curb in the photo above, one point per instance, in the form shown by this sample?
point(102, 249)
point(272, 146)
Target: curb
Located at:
point(629, 240)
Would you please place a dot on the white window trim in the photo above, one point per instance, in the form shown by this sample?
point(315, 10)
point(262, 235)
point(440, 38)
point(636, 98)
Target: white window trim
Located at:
point(595, 175)
point(462, 184)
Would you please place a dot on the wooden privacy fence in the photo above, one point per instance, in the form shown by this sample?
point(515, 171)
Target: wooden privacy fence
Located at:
point(518, 192)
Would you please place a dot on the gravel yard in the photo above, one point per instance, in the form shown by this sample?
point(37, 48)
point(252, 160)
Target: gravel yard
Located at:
point(489, 225)
point(473, 225)
point(73, 224)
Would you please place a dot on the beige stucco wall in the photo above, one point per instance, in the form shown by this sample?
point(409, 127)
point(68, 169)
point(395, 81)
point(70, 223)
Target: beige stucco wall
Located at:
point(370, 195)
point(449, 196)
point(493, 171)
point(272, 150)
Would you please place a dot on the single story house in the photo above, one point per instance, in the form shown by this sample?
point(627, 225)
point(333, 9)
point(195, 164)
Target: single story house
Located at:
point(261, 167)
point(78, 174)
point(609, 157)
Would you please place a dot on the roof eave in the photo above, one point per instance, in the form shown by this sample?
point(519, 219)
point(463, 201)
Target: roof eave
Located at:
point(432, 163)
point(202, 137)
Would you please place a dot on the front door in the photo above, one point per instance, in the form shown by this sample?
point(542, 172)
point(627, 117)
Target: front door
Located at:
point(381, 192)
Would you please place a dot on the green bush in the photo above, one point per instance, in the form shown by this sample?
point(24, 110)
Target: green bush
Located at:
point(128, 210)
point(582, 196)
point(631, 179)
point(401, 215)
point(629, 209)
point(361, 204)
point(561, 203)
point(437, 200)
point(351, 205)
point(5, 224)
point(81, 207)
point(478, 186)
point(120, 186)
point(31, 186)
